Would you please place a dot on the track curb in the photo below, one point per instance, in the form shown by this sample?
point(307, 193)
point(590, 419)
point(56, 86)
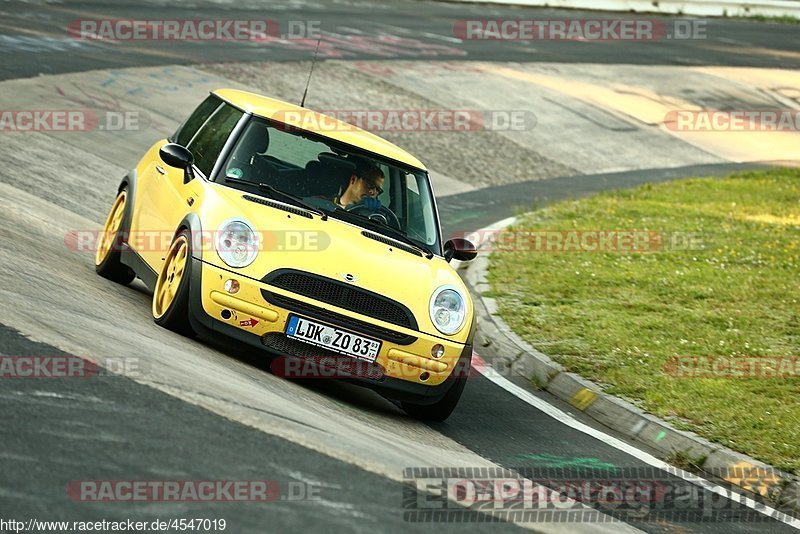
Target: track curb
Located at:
point(510, 354)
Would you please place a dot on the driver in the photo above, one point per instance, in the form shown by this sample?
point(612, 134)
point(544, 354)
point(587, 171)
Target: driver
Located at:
point(364, 186)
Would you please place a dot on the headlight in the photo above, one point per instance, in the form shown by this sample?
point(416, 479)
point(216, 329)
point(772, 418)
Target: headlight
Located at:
point(237, 243)
point(448, 310)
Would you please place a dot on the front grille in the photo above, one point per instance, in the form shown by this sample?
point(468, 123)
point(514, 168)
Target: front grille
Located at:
point(336, 319)
point(342, 295)
point(319, 359)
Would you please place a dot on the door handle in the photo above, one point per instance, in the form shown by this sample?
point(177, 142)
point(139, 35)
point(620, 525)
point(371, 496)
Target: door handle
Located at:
point(160, 169)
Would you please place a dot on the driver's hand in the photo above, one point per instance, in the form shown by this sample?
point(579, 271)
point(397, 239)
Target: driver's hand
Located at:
point(371, 203)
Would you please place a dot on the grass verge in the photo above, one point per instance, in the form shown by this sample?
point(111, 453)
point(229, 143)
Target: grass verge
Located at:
point(670, 329)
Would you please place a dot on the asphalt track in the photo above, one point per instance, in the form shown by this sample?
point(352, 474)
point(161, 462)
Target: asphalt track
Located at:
point(210, 410)
point(34, 31)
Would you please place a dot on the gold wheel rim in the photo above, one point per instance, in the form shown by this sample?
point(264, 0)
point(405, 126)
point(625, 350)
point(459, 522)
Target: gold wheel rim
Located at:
point(170, 278)
point(108, 236)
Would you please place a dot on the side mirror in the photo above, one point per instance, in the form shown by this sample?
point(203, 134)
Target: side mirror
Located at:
point(179, 157)
point(459, 249)
point(176, 156)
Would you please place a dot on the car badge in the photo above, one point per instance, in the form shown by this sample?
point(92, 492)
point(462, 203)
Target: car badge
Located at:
point(349, 277)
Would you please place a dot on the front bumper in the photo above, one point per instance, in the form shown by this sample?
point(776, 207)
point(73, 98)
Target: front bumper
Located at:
point(407, 371)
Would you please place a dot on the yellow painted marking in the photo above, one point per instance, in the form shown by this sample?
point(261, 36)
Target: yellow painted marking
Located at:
point(752, 478)
point(583, 399)
point(785, 163)
point(752, 50)
point(642, 105)
point(788, 220)
point(29, 31)
point(774, 79)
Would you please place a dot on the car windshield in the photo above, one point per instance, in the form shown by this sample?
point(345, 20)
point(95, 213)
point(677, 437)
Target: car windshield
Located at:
point(335, 179)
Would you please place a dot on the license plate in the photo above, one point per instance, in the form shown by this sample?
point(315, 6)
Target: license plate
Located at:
point(329, 337)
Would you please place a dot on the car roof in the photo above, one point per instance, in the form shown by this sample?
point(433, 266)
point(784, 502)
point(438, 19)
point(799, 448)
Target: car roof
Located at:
point(334, 129)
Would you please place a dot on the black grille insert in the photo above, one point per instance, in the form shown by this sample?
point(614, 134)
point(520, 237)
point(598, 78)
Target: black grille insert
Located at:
point(336, 319)
point(339, 365)
point(342, 295)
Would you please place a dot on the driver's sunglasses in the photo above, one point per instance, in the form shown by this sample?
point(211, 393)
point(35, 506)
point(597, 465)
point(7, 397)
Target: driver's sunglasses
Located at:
point(373, 187)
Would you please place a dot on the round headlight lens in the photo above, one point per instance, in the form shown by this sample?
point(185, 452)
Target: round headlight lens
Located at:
point(237, 243)
point(448, 310)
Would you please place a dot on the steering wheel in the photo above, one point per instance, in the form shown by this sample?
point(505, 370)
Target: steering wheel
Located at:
point(384, 215)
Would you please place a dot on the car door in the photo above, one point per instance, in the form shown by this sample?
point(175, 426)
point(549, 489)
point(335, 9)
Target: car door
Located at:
point(146, 238)
point(172, 193)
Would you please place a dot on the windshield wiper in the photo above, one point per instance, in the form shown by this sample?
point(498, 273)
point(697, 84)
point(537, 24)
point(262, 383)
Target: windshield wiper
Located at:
point(408, 241)
point(277, 192)
point(294, 198)
point(390, 232)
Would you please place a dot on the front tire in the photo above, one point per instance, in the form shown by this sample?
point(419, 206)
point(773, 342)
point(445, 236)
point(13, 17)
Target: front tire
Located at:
point(171, 295)
point(441, 409)
point(109, 244)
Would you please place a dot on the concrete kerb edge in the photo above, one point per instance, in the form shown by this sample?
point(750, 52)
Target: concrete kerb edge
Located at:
point(514, 355)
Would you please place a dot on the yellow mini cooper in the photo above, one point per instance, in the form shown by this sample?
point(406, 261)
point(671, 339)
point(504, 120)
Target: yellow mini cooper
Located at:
point(302, 235)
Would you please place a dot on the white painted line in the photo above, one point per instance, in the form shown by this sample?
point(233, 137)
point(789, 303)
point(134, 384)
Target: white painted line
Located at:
point(442, 37)
point(348, 29)
point(566, 419)
point(395, 29)
point(733, 41)
point(481, 237)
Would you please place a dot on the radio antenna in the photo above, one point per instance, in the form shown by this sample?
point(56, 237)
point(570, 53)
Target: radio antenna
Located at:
point(310, 72)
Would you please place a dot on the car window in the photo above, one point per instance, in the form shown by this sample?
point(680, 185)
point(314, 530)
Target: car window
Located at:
point(387, 184)
point(293, 149)
point(287, 161)
point(208, 142)
point(420, 223)
point(319, 171)
point(198, 117)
